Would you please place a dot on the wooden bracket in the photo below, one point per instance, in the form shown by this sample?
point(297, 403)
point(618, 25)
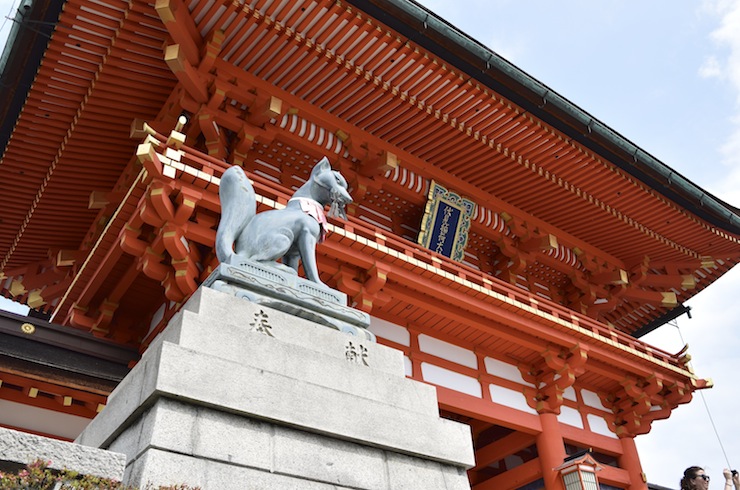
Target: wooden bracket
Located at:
point(186, 74)
point(176, 18)
point(540, 243)
point(558, 372)
point(265, 108)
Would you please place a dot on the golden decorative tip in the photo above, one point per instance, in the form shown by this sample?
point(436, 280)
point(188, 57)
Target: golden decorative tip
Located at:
point(35, 300)
point(28, 329)
point(707, 261)
point(16, 288)
point(669, 299)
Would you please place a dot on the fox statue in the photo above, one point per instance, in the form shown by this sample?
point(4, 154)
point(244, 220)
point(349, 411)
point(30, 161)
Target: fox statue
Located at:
point(290, 234)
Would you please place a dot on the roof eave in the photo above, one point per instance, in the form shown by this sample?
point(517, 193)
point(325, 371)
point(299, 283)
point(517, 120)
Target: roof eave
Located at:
point(33, 24)
point(468, 55)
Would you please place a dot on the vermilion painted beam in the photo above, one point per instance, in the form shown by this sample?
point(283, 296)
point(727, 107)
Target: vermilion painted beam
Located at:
point(666, 299)
point(668, 281)
point(91, 288)
point(514, 478)
point(585, 438)
point(620, 478)
point(501, 448)
point(49, 404)
point(502, 330)
point(186, 73)
point(91, 396)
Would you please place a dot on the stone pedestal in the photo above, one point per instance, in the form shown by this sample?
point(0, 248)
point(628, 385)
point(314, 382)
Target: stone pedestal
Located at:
point(282, 289)
point(236, 395)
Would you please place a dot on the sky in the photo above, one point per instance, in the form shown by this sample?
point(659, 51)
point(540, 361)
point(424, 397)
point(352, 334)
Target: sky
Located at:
point(666, 75)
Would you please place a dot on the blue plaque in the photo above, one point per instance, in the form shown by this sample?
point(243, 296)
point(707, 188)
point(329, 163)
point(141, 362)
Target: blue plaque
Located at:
point(444, 228)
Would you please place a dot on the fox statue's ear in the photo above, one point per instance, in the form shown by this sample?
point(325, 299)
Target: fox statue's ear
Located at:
point(321, 166)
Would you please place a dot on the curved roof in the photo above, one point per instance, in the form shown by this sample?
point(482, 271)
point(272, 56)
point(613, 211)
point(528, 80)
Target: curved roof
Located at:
point(397, 79)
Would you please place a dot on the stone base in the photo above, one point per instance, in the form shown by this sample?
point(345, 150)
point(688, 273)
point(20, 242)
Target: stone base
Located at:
point(235, 395)
point(284, 290)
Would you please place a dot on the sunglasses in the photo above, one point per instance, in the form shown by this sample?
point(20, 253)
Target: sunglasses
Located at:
point(703, 477)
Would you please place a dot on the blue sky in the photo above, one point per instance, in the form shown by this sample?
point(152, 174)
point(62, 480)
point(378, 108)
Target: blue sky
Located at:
point(666, 75)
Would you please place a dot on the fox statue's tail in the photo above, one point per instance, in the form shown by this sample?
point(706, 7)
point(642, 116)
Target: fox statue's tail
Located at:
point(238, 207)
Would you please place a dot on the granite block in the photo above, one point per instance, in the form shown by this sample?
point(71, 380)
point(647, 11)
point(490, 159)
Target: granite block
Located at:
point(161, 468)
point(157, 467)
point(231, 438)
point(22, 448)
point(407, 473)
point(170, 425)
point(320, 458)
point(128, 440)
point(233, 477)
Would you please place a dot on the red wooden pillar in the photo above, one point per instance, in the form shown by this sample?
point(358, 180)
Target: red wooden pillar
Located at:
point(630, 461)
point(551, 450)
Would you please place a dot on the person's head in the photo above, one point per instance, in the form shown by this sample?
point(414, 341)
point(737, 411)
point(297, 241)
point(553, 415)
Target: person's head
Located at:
point(694, 478)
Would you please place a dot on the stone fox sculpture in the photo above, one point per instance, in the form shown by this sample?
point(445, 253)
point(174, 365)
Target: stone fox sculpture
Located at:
point(290, 233)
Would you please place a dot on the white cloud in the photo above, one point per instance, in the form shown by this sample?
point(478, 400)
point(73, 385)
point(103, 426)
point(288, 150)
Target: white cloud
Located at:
point(724, 64)
point(711, 68)
point(727, 35)
point(726, 38)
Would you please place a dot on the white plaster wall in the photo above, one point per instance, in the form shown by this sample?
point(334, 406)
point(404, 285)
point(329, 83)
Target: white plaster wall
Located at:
point(447, 351)
point(598, 425)
point(510, 398)
point(158, 315)
point(450, 379)
point(390, 331)
point(592, 400)
point(570, 416)
point(504, 370)
point(569, 394)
